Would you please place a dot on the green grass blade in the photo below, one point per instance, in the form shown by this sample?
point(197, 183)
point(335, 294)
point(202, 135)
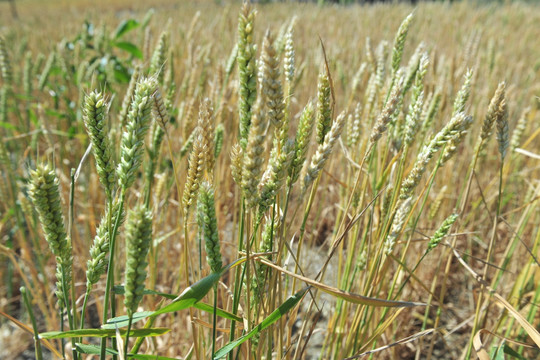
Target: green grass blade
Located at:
point(122, 321)
point(125, 27)
point(119, 290)
point(191, 295)
point(130, 48)
point(102, 333)
point(272, 318)
point(95, 350)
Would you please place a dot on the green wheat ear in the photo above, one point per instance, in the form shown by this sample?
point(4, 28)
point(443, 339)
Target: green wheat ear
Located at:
point(94, 115)
point(138, 237)
point(43, 190)
point(97, 265)
point(247, 70)
point(207, 221)
point(131, 149)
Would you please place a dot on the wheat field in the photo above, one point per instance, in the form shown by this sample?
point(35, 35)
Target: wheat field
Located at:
point(214, 179)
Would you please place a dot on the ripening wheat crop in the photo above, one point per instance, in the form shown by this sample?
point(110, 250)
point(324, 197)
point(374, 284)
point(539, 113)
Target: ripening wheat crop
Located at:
point(205, 180)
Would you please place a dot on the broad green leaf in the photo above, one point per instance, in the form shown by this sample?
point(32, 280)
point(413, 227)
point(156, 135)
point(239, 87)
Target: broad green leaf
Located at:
point(499, 352)
point(102, 333)
point(119, 289)
point(513, 353)
point(124, 27)
point(96, 350)
point(188, 298)
point(272, 318)
point(191, 295)
point(122, 321)
point(53, 113)
point(130, 48)
point(7, 125)
point(219, 312)
point(121, 75)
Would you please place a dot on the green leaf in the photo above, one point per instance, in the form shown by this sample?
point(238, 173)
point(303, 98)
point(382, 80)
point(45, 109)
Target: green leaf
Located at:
point(121, 75)
point(191, 295)
point(119, 290)
point(7, 125)
point(93, 349)
point(96, 350)
point(272, 318)
point(187, 299)
point(499, 353)
point(130, 48)
point(122, 321)
point(513, 353)
point(54, 113)
point(219, 312)
point(102, 333)
point(125, 26)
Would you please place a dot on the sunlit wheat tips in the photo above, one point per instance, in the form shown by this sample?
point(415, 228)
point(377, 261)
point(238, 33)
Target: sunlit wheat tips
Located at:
point(399, 43)
point(131, 149)
point(45, 194)
point(207, 222)
point(355, 125)
point(453, 143)
point(463, 94)
point(138, 237)
point(323, 152)
point(94, 115)
point(386, 115)
point(397, 225)
point(247, 70)
point(491, 115)
point(289, 60)
point(412, 118)
point(455, 127)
